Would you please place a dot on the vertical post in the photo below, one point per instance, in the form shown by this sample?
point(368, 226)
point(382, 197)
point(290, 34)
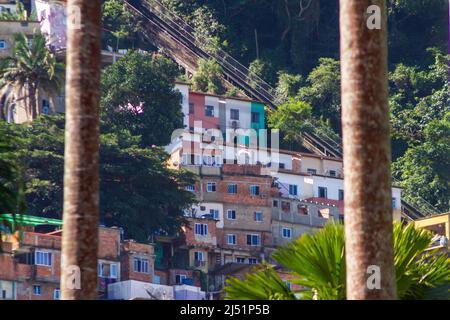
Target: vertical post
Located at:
point(81, 177)
point(367, 153)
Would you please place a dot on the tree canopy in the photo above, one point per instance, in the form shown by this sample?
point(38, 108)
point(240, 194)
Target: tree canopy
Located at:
point(137, 190)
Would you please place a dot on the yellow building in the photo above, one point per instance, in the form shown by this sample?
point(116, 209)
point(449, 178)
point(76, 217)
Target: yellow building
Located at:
point(438, 224)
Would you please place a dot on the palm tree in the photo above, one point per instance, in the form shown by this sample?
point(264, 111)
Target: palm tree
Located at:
point(81, 176)
point(31, 68)
point(367, 149)
point(318, 265)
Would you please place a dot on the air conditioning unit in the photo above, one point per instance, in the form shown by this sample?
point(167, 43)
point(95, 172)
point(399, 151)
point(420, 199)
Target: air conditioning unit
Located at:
point(234, 124)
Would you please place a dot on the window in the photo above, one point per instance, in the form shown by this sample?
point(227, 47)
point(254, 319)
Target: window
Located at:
point(255, 117)
point(190, 188)
point(252, 261)
point(394, 203)
point(341, 194)
point(3, 294)
point(285, 206)
point(191, 108)
point(113, 271)
point(100, 269)
point(231, 214)
point(201, 229)
point(275, 203)
point(179, 278)
point(231, 239)
point(214, 213)
point(253, 240)
point(254, 190)
point(45, 106)
point(2, 44)
point(293, 191)
point(209, 111)
point(42, 258)
point(322, 192)
point(232, 188)
point(287, 233)
point(144, 265)
point(199, 256)
point(56, 294)
point(258, 216)
point(211, 187)
point(37, 290)
point(311, 171)
point(333, 173)
point(282, 166)
point(30, 43)
point(234, 114)
point(140, 265)
point(240, 260)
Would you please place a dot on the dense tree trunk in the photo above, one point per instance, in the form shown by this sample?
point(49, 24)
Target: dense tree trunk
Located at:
point(367, 153)
point(81, 177)
point(32, 96)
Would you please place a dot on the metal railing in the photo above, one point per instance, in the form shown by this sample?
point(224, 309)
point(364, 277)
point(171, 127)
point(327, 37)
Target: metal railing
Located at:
point(155, 12)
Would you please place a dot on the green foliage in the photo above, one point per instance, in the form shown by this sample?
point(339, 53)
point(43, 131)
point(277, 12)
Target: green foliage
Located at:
point(31, 68)
point(318, 263)
point(7, 174)
point(262, 284)
point(137, 190)
point(418, 96)
point(323, 91)
point(288, 85)
point(291, 118)
point(262, 69)
point(119, 23)
point(138, 95)
point(424, 169)
point(207, 78)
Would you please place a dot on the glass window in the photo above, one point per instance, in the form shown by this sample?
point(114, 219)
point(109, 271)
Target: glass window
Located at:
point(214, 213)
point(179, 278)
point(232, 188)
point(144, 265)
point(2, 44)
point(311, 171)
point(341, 194)
point(57, 294)
point(100, 269)
point(211, 187)
point(201, 229)
point(240, 260)
point(293, 190)
point(37, 290)
point(394, 203)
point(333, 173)
point(255, 117)
point(137, 264)
point(287, 233)
point(231, 215)
point(231, 239)
point(252, 261)
point(209, 111)
point(42, 258)
point(234, 114)
point(191, 108)
point(254, 190)
point(253, 240)
point(275, 203)
point(322, 192)
point(259, 216)
point(113, 271)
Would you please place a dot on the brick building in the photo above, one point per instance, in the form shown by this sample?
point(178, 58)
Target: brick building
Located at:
point(30, 259)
